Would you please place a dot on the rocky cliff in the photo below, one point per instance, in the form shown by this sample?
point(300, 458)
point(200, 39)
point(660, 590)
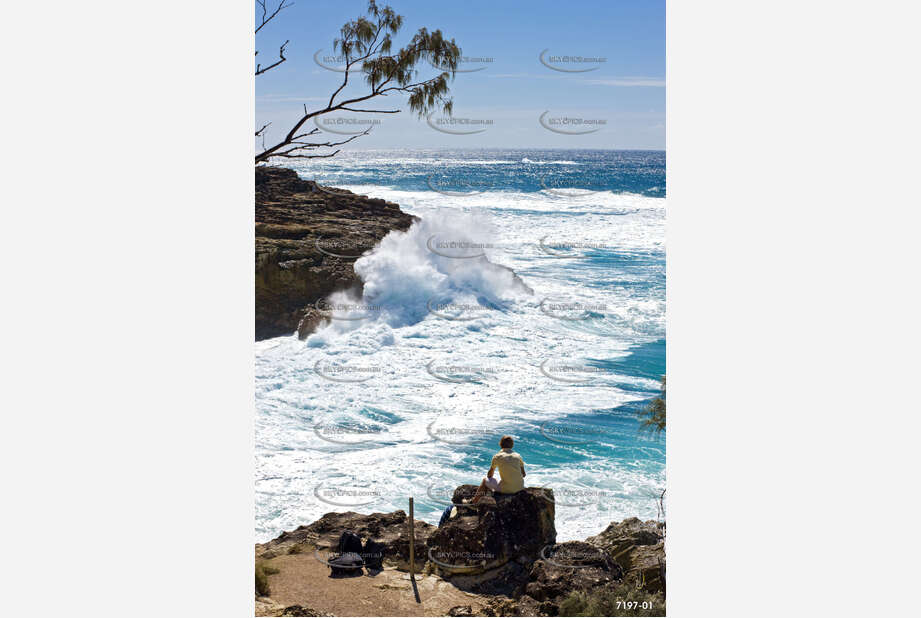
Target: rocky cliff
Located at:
point(502, 553)
point(638, 547)
point(307, 238)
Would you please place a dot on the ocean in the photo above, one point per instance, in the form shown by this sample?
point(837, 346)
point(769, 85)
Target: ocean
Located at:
point(408, 389)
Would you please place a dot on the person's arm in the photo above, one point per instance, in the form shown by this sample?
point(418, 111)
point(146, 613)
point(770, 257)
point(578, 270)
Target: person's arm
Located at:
point(492, 467)
point(523, 473)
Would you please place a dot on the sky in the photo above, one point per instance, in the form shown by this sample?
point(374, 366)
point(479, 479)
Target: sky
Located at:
point(520, 102)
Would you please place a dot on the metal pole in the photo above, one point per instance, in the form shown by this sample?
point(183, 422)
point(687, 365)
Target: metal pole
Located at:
point(412, 541)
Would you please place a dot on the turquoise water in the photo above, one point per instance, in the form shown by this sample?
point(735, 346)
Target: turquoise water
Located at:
point(528, 171)
point(562, 359)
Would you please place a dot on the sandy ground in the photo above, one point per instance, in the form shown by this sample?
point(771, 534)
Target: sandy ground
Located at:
point(304, 580)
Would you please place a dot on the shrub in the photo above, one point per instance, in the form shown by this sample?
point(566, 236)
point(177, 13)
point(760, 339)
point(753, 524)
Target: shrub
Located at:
point(262, 580)
point(652, 417)
point(604, 602)
point(297, 548)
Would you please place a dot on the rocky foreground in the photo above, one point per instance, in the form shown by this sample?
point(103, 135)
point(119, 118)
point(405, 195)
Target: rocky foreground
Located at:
point(500, 557)
point(307, 238)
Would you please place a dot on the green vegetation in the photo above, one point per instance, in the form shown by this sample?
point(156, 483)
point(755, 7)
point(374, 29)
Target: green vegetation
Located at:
point(621, 600)
point(297, 548)
point(653, 416)
point(262, 581)
point(366, 46)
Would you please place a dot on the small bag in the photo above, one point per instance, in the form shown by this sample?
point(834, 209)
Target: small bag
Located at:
point(349, 542)
point(346, 564)
point(445, 515)
point(373, 554)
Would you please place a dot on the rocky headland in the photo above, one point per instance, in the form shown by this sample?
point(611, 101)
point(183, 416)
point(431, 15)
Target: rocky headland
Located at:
point(499, 558)
point(307, 238)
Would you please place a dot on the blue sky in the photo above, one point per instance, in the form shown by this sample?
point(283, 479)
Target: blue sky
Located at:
point(624, 96)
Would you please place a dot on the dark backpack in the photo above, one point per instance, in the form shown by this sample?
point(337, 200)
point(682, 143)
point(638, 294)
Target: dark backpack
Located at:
point(373, 554)
point(445, 515)
point(346, 564)
point(349, 542)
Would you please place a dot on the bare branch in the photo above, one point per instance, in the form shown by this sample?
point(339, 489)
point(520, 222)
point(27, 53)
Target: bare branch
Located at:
point(311, 132)
point(371, 111)
point(298, 148)
point(281, 54)
point(264, 127)
point(265, 20)
point(306, 156)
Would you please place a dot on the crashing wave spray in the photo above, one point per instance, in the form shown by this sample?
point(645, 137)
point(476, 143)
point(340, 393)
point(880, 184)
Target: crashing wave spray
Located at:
point(440, 259)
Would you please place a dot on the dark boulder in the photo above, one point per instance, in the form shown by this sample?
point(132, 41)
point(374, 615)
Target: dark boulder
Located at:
point(639, 548)
point(502, 528)
point(568, 567)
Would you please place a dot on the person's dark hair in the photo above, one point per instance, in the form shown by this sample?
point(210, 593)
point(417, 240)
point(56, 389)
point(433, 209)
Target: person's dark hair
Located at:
point(506, 442)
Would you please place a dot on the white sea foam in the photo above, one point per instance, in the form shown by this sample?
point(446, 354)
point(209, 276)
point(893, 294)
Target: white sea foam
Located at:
point(527, 160)
point(402, 348)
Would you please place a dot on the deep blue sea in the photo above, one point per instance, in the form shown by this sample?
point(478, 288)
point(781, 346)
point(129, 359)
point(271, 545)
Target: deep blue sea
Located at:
point(406, 390)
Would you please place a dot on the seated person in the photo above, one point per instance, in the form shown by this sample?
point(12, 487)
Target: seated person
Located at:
point(511, 471)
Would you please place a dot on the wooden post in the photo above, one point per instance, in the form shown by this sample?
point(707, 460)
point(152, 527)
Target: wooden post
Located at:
point(412, 541)
point(412, 551)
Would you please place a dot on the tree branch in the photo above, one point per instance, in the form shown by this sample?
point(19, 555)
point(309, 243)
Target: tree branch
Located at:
point(371, 111)
point(365, 44)
point(265, 20)
point(281, 54)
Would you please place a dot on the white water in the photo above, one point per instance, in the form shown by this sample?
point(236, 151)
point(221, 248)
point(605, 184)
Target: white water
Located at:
point(501, 347)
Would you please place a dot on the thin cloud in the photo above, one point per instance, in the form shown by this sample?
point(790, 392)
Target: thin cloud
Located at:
point(622, 82)
point(629, 82)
